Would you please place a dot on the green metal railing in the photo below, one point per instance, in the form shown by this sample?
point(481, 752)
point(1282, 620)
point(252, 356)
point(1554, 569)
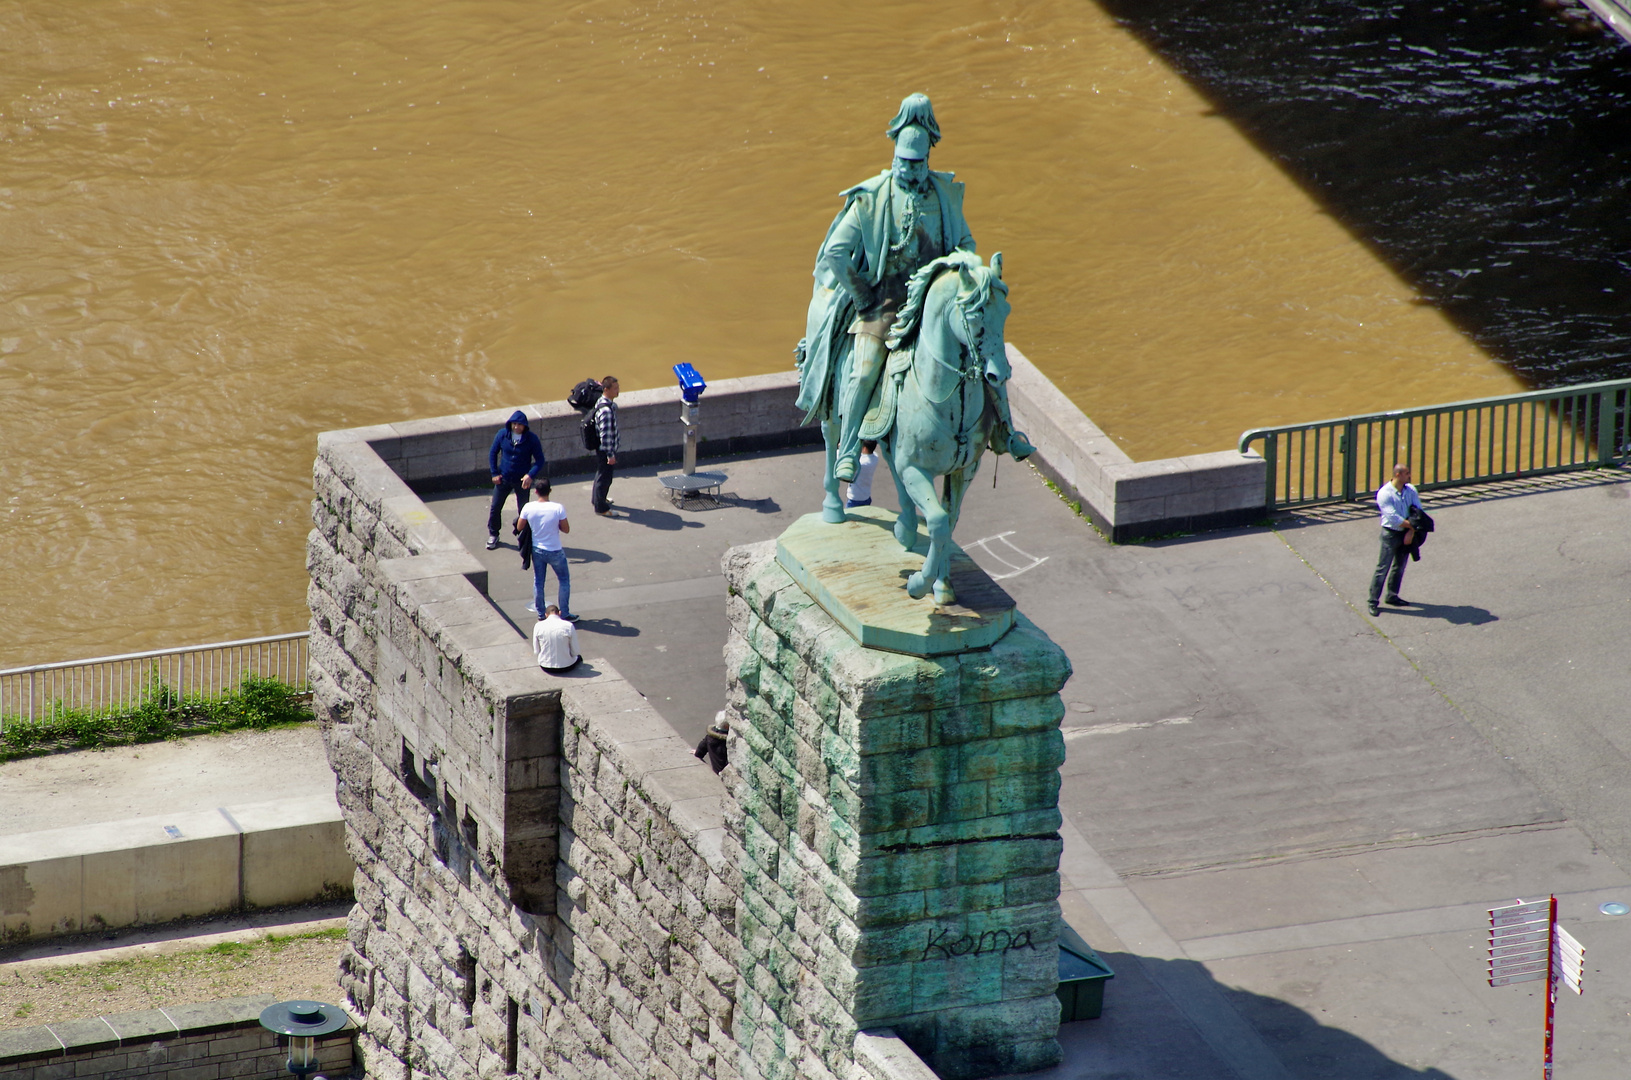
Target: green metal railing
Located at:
point(119, 682)
point(1464, 442)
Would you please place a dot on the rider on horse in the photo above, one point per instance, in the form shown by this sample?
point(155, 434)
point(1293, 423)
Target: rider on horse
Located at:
point(891, 226)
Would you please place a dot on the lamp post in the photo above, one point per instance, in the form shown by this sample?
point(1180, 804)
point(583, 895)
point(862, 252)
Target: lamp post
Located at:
point(303, 1022)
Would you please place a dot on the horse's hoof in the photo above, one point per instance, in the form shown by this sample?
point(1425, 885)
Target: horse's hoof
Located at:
point(833, 515)
point(904, 536)
point(943, 594)
point(916, 587)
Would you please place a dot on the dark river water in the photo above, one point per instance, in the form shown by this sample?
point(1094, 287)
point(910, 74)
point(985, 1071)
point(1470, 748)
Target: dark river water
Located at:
point(1480, 148)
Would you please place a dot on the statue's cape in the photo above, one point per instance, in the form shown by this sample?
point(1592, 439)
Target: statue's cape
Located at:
point(831, 307)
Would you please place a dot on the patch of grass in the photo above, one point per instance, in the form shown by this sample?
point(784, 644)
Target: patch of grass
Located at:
point(1074, 504)
point(259, 703)
point(294, 966)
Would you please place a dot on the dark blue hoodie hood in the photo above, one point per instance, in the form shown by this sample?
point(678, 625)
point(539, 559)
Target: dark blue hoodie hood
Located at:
point(518, 417)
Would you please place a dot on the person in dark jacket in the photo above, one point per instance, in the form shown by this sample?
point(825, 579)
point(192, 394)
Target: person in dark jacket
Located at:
point(515, 459)
point(712, 746)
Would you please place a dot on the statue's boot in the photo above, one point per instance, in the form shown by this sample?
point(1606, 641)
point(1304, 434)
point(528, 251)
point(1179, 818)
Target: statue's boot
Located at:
point(1005, 439)
point(866, 364)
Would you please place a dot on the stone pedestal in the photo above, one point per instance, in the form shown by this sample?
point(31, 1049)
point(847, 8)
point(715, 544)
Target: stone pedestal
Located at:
point(898, 821)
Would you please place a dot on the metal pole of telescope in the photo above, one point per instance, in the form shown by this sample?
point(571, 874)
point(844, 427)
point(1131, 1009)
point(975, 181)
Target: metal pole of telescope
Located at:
point(1551, 983)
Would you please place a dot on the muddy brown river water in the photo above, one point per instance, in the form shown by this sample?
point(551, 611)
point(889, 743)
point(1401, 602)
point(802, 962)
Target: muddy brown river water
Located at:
point(224, 229)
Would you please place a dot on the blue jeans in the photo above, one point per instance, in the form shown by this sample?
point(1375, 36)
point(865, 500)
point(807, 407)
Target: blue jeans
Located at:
point(495, 509)
point(542, 563)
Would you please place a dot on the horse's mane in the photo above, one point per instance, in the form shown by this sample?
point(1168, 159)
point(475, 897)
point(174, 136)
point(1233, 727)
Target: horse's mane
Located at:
point(910, 317)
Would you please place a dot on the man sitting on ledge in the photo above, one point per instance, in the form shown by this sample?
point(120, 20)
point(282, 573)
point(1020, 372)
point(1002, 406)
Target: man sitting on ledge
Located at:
point(555, 642)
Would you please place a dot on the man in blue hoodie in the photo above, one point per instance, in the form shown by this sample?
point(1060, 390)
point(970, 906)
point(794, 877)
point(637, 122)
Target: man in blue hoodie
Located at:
point(515, 459)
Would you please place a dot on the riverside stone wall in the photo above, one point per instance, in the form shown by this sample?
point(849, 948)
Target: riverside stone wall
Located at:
point(548, 883)
point(543, 882)
point(899, 828)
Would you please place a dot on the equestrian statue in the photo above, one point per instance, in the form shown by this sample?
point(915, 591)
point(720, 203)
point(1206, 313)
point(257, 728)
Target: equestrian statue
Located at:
point(899, 291)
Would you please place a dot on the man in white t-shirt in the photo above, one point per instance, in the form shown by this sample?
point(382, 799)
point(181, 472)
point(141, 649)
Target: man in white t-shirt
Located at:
point(548, 523)
point(860, 489)
point(555, 642)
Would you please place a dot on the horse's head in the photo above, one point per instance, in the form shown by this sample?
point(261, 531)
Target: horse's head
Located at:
point(961, 305)
point(982, 303)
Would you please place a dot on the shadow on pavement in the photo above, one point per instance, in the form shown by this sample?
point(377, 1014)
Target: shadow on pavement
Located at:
point(607, 627)
point(1454, 614)
point(1615, 481)
point(584, 670)
point(1142, 1034)
point(657, 519)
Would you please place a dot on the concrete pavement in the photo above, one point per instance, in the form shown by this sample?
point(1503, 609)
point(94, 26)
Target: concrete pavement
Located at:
point(1284, 819)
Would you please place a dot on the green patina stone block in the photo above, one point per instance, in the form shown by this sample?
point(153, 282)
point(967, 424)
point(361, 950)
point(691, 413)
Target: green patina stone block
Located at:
point(857, 572)
point(980, 1040)
point(1024, 663)
point(994, 860)
point(907, 871)
point(989, 759)
point(879, 991)
point(1020, 716)
point(840, 757)
point(963, 980)
point(913, 804)
point(1027, 791)
point(890, 908)
point(958, 802)
point(960, 723)
point(932, 766)
point(1032, 889)
point(889, 810)
point(962, 899)
point(886, 734)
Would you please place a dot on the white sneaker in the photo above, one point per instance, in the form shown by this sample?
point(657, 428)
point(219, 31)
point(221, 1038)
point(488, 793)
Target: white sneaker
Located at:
point(533, 608)
point(492, 543)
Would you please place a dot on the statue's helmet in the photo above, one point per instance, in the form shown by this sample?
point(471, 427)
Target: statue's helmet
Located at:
point(915, 109)
point(912, 144)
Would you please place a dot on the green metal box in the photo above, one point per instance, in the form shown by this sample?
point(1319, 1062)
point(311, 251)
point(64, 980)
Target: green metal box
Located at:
point(1082, 975)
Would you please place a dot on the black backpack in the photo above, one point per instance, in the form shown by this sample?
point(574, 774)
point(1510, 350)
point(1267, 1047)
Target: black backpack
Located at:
point(584, 395)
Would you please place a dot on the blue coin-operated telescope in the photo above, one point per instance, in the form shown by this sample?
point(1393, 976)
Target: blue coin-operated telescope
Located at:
point(691, 484)
point(691, 384)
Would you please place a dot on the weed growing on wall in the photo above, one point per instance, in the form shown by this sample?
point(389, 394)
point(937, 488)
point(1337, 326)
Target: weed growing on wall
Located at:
point(257, 703)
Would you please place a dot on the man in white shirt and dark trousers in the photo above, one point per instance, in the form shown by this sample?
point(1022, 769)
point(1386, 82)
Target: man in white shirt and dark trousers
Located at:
point(555, 642)
point(1395, 500)
point(548, 522)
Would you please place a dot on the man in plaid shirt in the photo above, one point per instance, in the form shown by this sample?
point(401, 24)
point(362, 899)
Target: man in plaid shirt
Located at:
point(606, 425)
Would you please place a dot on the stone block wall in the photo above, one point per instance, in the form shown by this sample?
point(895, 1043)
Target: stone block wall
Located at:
point(899, 832)
point(217, 1040)
point(548, 883)
point(544, 882)
point(738, 415)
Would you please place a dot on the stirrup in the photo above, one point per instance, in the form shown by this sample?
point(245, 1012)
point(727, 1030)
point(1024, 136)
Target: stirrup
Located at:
point(1019, 446)
point(845, 469)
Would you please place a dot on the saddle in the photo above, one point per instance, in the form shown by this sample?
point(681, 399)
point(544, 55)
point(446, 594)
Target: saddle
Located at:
point(880, 414)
